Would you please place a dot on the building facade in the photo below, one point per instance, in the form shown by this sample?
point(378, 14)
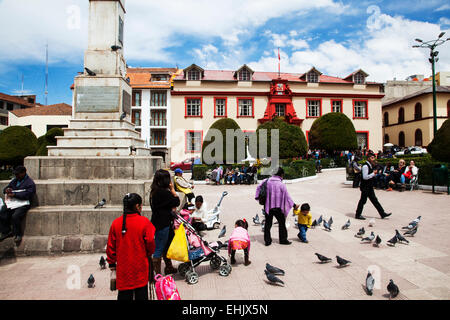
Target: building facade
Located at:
point(408, 121)
point(10, 103)
point(200, 97)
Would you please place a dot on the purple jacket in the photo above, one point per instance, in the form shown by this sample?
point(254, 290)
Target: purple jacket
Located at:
point(26, 184)
point(277, 195)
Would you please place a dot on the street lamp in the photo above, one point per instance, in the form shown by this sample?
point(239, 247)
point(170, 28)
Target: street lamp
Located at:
point(432, 44)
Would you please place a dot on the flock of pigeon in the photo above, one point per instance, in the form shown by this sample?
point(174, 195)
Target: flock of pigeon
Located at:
point(91, 279)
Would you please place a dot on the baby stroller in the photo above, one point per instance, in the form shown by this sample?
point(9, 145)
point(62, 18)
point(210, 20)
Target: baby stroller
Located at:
point(200, 251)
point(213, 221)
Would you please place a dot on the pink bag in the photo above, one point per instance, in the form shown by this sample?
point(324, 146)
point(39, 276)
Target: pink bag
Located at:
point(165, 288)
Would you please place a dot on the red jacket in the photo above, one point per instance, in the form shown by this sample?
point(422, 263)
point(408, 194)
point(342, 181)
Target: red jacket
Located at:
point(130, 252)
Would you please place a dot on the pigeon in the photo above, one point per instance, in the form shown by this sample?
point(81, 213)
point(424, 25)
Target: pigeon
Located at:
point(314, 223)
point(256, 219)
point(411, 232)
point(369, 238)
point(413, 223)
point(115, 47)
point(400, 238)
point(346, 225)
point(360, 233)
point(393, 241)
point(322, 258)
point(100, 204)
point(342, 262)
point(123, 116)
point(223, 231)
point(326, 226)
point(371, 222)
point(91, 281)
point(370, 282)
point(274, 270)
point(393, 289)
point(330, 222)
point(377, 241)
point(90, 72)
point(319, 221)
point(272, 278)
point(102, 263)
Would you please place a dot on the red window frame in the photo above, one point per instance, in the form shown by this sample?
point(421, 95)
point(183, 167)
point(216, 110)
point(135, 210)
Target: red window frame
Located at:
point(186, 142)
point(342, 104)
point(226, 107)
point(253, 107)
point(367, 135)
point(367, 109)
point(185, 107)
point(320, 107)
point(307, 138)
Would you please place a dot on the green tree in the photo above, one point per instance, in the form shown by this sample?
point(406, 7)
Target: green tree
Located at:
point(292, 141)
point(439, 148)
point(333, 131)
point(17, 143)
point(48, 139)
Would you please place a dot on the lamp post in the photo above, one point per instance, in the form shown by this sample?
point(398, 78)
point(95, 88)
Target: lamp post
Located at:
point(432, 44)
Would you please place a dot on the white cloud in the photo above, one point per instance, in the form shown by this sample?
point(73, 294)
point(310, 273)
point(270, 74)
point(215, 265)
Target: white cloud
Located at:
point(444, 21)
point(444, 7)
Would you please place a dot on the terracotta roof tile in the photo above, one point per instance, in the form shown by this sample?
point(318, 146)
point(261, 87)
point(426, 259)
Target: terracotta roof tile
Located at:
point(14, 99)
point(60, 109)
point(141, 77)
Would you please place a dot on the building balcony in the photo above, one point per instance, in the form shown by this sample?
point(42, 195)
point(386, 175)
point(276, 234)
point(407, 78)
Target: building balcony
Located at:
point(158, 122)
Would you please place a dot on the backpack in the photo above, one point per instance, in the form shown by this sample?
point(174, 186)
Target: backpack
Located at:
point(263, 193)
point(165, 288)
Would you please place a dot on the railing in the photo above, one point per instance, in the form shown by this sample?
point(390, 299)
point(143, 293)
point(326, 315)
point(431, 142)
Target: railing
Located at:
point(158, 122)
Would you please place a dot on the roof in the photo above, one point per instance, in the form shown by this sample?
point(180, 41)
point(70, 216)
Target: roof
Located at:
point(428, 90)
point(141, 77)
point(60, 109)
point(14, 99)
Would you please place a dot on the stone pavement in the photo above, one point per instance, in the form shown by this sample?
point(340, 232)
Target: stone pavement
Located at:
point(420, 269)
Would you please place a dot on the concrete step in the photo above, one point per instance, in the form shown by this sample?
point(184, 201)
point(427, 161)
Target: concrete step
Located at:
point(98, 141)
point(56, 151)
point(101, 132)
point(100, 124)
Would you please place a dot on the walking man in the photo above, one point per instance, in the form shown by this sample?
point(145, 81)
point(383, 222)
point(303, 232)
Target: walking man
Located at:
point(367, 184)
point(278, 203)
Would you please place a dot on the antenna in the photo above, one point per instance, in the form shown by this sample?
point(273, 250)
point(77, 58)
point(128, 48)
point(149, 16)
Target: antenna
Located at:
point(46, 73)
point(22, 85)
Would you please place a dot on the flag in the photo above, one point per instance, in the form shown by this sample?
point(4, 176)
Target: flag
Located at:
point(279, 59)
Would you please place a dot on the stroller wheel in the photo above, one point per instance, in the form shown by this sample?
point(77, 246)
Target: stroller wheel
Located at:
point(191, 277)
point(215, 263)
point(225, 270)
point(184, 268)
point(216, 225)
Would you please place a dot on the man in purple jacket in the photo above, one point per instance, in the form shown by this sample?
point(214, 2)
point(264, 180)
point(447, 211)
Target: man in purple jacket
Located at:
point(22, 187)
point(278, 204)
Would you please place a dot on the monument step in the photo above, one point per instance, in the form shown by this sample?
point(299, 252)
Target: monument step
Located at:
point(95, 142)
point(100, 124)
point(101, 132)
point(97, 151)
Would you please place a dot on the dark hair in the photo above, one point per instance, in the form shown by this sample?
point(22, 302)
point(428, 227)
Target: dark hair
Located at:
point(129, 206)
point(305, 207)
point(242, 223)
point(199, 199)
point(161, 180)
point(20, 169)
point(280, 172)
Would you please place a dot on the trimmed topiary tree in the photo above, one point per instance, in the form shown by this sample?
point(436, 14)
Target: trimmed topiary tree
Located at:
point(17, 143)
point(333, 131)
point(439, 148)
point(222, 125)
point(292, 141)
point(48, 139)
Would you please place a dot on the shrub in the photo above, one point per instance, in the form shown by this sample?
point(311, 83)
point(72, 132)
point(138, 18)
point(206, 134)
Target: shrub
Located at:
point(199, 172)
point(333, 131)
point(439, 148)
point(48, 139)
point(17, 143)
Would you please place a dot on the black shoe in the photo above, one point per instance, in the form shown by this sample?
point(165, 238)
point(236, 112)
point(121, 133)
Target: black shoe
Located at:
point(360, 218)
point(285, 242)
point(385, 215)
point(267, 244)
point(18, 240)
point(5, 236)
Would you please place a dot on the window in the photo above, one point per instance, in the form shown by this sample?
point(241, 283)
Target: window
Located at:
point(136, 117)
point(2, 105)
point(401, 115)
point(4, 121)
point(360, 109)
point(359, 78)
point(418, 111)
point(280, 109)
point(418, 138)
point(137, 94)
point(61, 126)
point(193, 141)
point(386, 119)
point(193, 74)
point(193, 107)
point(313, 108)
point(158, 138)
point(160, 77)
point(336, 105)
point(220, 107)
point(245, 107)
point(401, 139)
point(9, 106)
point(386, 138)
point(362, 138)
point(158, 118)
point(158, 99)
point(312, 77)
point(244, 75)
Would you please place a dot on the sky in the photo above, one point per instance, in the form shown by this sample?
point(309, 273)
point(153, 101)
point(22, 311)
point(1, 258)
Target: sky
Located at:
point(336, 37)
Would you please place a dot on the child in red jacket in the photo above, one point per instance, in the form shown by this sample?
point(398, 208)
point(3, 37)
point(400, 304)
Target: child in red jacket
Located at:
point(130, 246)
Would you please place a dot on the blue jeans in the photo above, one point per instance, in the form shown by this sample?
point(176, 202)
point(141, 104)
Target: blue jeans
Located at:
point(302, 234)
point(161, 238)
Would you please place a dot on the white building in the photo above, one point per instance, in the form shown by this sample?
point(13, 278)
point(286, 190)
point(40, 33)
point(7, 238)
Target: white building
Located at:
point(9, 103)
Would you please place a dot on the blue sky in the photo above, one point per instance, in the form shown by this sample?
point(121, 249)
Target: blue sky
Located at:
point(337, 37)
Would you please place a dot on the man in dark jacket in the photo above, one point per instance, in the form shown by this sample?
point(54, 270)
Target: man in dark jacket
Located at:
point(21, 188)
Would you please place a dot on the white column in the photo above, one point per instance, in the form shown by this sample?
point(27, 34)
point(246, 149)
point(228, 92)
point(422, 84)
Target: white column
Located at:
point(145, 115)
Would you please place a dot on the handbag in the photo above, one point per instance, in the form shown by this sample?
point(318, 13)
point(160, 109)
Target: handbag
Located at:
point(178, 249)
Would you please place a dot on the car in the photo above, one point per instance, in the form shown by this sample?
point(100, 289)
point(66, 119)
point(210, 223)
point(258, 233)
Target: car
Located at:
point(412, 150)
point(183, 165)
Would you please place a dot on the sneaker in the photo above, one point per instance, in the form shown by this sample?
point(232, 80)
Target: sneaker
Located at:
point(389, 189)
point(360, 218)
point(285, 242)
point(5, 236)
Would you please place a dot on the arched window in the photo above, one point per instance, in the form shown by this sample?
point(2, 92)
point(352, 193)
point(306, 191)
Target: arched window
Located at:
point(418, 138)
point(386, 138)
point(401, 139)
point(386, 119)
point(418, 111)
point(401, 115)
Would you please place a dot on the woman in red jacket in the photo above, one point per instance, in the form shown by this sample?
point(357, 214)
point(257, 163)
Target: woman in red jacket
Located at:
point(130, 246)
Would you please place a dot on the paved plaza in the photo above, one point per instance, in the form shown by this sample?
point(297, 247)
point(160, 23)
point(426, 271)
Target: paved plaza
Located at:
point(421, 269)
